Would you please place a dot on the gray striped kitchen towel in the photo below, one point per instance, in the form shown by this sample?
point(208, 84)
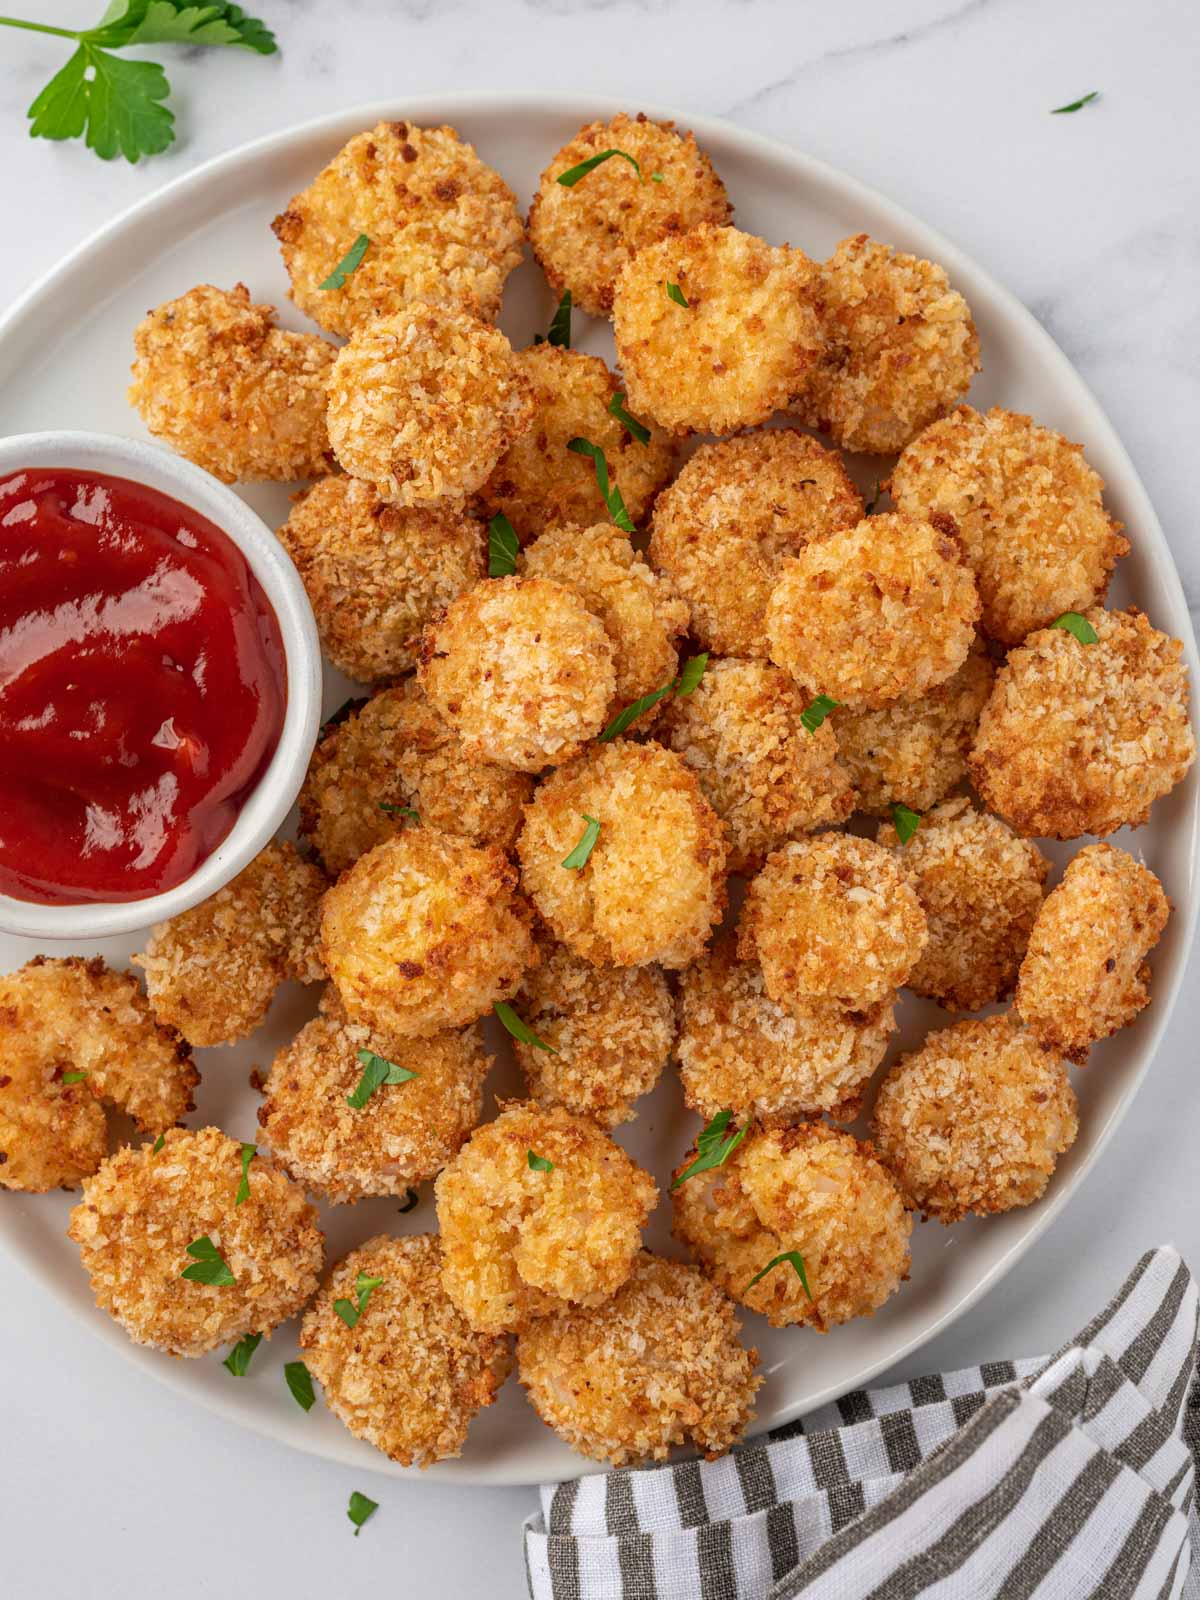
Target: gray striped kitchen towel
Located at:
point(1058, 1478)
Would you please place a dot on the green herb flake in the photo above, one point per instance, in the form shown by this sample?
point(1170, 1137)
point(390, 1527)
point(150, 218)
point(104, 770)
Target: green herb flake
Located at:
point(674, 292)
point(1069, 622)
point(797, 1261)
point(238, 1359)
point(904, 821)
point(208, 1264)
point(377, 1071)
point(350, 1312)
point(612, 495)
point(411, 1201)
point(656, 177)
point(406, 812)
point(249, 1151)
point(816, 711)
point(637, 430)
point(158, 1144)
point(349, 263)
point(560, 327)
point(714, 1147)
point(361, 1510)
point(521, 1031)
point(538, 1163)
point(693, 670)
point(587, 842)
point(685, 683)
point(1076, 105)
point(299, 1381)
point(503, 546)
point(73, 1077)
point(572, 175)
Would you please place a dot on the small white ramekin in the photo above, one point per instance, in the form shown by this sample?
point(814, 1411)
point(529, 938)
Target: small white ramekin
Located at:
point(271, 799)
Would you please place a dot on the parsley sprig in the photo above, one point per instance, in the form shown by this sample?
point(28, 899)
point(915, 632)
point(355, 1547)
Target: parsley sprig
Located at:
point(361, 1510)
point(364, 1288)
point(538, 1163)
point(572, 175)
point(714, 1147)
point(612, 495)
point(1070, 622)
point(905, 821)
point(796, 1260)
point(208, 1264)
point(1076, 105)
point(299, 1381)
point(616, 408)
point(816, 711)
point(349, 263)
point(674, 292)
point(560, 327)
point(503, 546)
point(238, 1359)
point(520, 1030)
point(249, 1151)
point(684, 684)
point(587, 842)
point(377, 1070)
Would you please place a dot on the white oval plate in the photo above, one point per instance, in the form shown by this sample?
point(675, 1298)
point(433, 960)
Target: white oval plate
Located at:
point(64, 359)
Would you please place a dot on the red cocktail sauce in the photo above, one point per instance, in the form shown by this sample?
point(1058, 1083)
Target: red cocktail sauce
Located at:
point(142, 687)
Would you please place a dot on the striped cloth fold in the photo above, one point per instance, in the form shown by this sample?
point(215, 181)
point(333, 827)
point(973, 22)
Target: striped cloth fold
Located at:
point(1061, 1476)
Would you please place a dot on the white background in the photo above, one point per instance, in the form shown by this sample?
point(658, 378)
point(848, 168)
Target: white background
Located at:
point(110, 1485)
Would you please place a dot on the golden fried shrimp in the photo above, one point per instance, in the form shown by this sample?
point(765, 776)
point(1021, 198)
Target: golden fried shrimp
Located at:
point(1028, 510)
point(73, 1033)
point(641, 612)
point(144, 1209)
point(741, 1051)
point(901, 347)
point(811, 1190)
point(395, 756)
point(975, 1120)
point(212, 972)
point(423, 403)
point(832, 917)
point(522, 670)
point(584, 234)
point(914, 752)
point(539, 483)
point(980, 886)
point(1083, 738)
point(425, 932)
point(402, 1135)
point(607, 1031)
point(763, 773)
point(882, 611)
point(219, 382)
point(653, 885)
point(539, 1211)
point(412, 1372)
point(1085, 973)
point(377, 574)
point(737, 510)
point(742, 347)
point(443, 227)
point(659, 1364)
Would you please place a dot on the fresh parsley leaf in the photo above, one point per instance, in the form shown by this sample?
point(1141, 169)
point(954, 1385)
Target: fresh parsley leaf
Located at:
point(587, 841)
point(632, 712)
point(713, 1148)
point(249, 1151)
point(572, 175)
point(538, 1163)
point(656, 177)
point(363, 1289)
point(1076, 105)
point(208, 1264)
point(904, 821)
point(349, 263)
point(521, 1031)
point(797, 1261)
point(503, 546)
point(411, 1201)
point(182, 22)
point(612, 495)
point(299, 1381)
point(238, 1359)
point(674, 292)
point(1070, 622)
point(816, 711)
point(693, 670)
point(73, 1077)
point(158, 1144)
point(406, 812)
point(560, 327)
point(377, 1070)
point(616, 408)
point(361, 1510)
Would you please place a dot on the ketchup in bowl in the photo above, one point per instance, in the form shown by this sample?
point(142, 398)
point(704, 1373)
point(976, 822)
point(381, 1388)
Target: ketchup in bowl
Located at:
point(142, 687)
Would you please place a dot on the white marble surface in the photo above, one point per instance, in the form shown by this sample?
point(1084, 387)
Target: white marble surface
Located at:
point(1091, 219)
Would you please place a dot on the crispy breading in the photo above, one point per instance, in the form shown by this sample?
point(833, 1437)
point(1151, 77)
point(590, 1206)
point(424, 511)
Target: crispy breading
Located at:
point(219, 382)
point(145, 1207)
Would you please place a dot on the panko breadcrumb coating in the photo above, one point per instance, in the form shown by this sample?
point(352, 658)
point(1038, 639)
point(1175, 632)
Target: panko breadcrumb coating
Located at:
point(744, 345)
point(212, 972)
point(411, 1374)
point(737, 510)
point(539, 483)
point(741, 1051)
point(980, 886)
point(654, 884)
point(1083, 738)
point(609, 1032)
point(1085, 973)
point(522, 670)
point(976, 1119)
point(425, 932)
point(376, 574)
point(443, 228)
point(659, 1364)
point(810, 1189)
point(832, 918)
point(901, 347)
point(1028, 510)
point(641, 612)
point(393, 756)
point(404, 1134)
point(145, 1207)
point(763, 773)
point(583, 235)
point(520, 1242)
point(882, 611)
point(219, 382)
point(423, 403)
point(70, 1016)
point(915, 751)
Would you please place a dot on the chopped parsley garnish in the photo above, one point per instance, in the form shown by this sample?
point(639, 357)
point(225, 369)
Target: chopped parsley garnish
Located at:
point(685, 683)
point(208, 1264)
point(674, 292)
point(411, 1201)
point(816, 711)
point(797, 1261)
point(538, 1163)
point(656, 177)
point(1076, 105)
point(249, 1151)
point(1070, 622)
point(238, 1359)
point(616, 408)
point(560, 327)
point(521, 1031)
point(714, 1147)
point(361, 1510)
point(572, 175)
point(406, 812)
point(503, 545)
point(158, 1144)
point(349, 263)
point(377, 1070)
point(587, 841)
point(904, 821)
point(299, 1381)
point(73, 1077)
point(612, 495)
point(693, 670)
point(364, 1287)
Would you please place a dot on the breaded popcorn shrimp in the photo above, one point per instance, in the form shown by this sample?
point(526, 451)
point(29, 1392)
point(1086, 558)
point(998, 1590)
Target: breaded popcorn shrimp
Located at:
point(423, 403)
point(412, 1373)
point(1027, 508)
point(442, 226)
point(425, 932)
point(901, 347)
point(835, 918)
point(143, 1210)
point(1083, 738)
point(73, 1033)
point(811, 1190)
point(539, 1211)
point(882, 611)
point(743, 345)
point(376, 574)
point(737, 510)
point(212, 972)
point(1085, 973)
point(219, 382)
point(653, 885)
point(976, 1119)
point(395, 756)
point(659, 1364)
